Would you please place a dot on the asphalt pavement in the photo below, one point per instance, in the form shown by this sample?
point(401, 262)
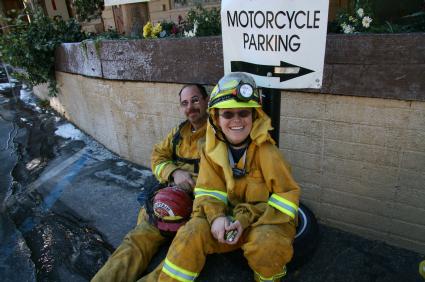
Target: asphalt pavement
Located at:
point(67, 202)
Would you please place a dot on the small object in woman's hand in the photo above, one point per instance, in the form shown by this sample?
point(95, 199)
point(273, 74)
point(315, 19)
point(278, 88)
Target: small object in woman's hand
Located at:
point(230, 235)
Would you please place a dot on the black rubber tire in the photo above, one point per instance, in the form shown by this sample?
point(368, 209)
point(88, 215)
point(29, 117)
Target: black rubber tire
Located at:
point(306, 238)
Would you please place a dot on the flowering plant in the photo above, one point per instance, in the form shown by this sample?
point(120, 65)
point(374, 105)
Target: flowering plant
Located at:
point(359, 21)
point(151, 31)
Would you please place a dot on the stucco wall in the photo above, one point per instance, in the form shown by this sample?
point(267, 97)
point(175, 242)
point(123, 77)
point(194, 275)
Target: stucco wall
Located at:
point(360, 161)
point(127, 117)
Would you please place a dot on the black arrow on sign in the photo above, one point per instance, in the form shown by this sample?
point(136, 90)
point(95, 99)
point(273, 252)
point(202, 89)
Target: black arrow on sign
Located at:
point(285, 71)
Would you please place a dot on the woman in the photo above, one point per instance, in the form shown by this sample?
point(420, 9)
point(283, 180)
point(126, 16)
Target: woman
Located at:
point(245, 196)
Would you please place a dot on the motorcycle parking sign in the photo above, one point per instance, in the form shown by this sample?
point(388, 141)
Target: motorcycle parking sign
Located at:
point(281, 43)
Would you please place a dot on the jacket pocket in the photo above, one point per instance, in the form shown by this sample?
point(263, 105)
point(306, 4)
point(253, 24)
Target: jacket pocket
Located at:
point(256, 190)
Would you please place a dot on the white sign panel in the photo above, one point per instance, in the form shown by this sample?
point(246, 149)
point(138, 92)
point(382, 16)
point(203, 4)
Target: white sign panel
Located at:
point(280, 42)
point(121, 2)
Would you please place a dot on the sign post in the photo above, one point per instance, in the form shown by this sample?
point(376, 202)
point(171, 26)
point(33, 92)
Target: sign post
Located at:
point(281, 43)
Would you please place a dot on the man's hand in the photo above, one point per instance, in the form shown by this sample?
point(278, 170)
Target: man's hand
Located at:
point(183, 179)
point(218, 228)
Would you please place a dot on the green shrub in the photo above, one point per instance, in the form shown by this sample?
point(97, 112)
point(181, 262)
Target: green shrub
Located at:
point(31, 45)
point(203, 22)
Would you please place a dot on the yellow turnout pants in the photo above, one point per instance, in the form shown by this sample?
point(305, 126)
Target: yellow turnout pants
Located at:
point(266, 247)
point(132, 257)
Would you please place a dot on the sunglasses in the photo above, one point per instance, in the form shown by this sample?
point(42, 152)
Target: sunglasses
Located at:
point(240, 114)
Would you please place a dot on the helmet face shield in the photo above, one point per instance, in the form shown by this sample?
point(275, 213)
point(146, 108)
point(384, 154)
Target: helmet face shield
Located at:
point(235, 90)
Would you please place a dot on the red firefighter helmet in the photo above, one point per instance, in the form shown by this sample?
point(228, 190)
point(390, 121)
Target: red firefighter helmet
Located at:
point(172, 207)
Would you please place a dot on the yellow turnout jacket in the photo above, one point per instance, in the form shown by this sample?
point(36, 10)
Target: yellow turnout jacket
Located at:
point(267, 194)
point(162, 160)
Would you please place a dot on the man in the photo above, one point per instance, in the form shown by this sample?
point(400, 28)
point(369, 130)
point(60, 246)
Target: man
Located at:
point(179, 168)
point(174, 160)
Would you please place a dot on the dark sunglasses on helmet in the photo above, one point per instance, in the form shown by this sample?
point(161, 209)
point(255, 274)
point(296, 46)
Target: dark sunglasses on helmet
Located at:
point(240, 114)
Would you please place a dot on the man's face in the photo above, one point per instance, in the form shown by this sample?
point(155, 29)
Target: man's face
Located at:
point(193, 105)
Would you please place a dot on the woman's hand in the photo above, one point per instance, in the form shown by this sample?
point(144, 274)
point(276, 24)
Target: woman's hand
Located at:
point(236, 225)
point(218, 228)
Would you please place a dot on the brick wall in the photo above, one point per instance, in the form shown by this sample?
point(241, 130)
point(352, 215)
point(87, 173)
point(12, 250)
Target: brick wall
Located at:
point(360, 162)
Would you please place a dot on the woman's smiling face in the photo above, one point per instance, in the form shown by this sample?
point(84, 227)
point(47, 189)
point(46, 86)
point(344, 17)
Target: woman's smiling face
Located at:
point(236, 124)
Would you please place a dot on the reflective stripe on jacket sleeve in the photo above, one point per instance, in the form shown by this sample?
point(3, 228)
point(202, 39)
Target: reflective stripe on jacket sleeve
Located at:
point(219, 195)
point(160, 167)
point(283, 205)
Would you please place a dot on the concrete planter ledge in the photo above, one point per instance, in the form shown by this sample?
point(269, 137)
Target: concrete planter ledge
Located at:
point(370, 65)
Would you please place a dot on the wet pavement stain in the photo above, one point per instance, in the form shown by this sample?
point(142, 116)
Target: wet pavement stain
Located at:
point(60, 245)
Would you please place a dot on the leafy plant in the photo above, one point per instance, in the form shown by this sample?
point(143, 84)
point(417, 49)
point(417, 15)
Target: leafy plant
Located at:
point(88, 9)
point(203, 22)
point(31, 45)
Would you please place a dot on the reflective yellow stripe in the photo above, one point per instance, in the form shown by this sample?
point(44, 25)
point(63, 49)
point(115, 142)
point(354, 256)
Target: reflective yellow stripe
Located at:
point(283, 205)
point(160, 167)
point(273, 278)
point(220, 195)
point(178, 273)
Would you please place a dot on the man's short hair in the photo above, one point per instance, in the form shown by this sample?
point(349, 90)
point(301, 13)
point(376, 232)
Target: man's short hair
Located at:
point(200, 88)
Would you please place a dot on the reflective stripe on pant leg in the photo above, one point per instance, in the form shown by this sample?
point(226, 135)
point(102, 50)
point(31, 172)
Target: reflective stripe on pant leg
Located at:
point(186, 255)
point(274, 278)
point(178, 273)
point(188, 251)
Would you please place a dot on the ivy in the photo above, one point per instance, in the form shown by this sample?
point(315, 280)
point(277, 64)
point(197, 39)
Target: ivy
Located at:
point(30, 45)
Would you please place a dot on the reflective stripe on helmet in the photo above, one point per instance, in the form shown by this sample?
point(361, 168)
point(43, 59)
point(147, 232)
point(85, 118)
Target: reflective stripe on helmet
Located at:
point(271, 279)
point(160, 167)
point(231, 103)
point(283, 205)
point(178, 273)
point(222, 196)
